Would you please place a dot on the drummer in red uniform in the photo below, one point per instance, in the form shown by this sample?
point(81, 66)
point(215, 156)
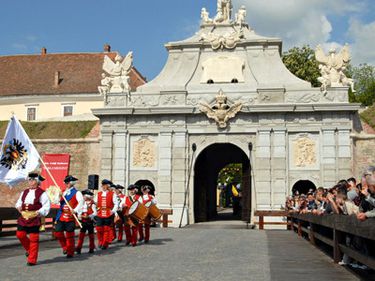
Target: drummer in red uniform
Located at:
point(65, 220)
point(32, 204)
point(107, 205)
point(87, 218)
point(146, 197)
point(131, 225)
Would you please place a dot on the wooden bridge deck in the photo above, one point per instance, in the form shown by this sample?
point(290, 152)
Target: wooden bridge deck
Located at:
point(187, 254)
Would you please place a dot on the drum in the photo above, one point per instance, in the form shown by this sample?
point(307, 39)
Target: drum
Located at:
point(153, 211)
point(138, 211)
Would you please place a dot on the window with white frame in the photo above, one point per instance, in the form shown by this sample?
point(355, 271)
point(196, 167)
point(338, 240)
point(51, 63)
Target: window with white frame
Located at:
point(31, 113)
point(68, 110)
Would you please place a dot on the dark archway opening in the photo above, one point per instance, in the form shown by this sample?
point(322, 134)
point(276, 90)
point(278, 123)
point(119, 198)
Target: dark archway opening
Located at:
point(206, 170)
point(141, 183)
point(303, 187)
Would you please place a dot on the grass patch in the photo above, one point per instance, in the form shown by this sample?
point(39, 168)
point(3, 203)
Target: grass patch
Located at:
point(369, 116)
point(53, 130)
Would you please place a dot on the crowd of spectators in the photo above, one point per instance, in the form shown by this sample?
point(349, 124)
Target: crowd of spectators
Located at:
point(347, 197)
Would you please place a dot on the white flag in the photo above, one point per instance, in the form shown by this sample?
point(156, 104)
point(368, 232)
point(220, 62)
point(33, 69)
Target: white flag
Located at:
point(18, 155)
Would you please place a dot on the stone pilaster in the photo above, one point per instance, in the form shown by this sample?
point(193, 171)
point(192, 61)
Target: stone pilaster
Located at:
point(263, 169)
point(165, 170)
point(278, 168)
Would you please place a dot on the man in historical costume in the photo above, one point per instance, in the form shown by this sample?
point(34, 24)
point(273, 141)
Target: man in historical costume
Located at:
point(131, 225)
point(119, 222)
point(89, 212)
point(65, 220)
point(146, 197)
point(32, 204)
point(107, 205)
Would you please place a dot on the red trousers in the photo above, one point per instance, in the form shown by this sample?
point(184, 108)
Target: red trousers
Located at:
point(120, 231)
point(31, 245)
point(104, 235)
point(146, 235)
point(131, 233)
point(66, 241)
point(81, 238)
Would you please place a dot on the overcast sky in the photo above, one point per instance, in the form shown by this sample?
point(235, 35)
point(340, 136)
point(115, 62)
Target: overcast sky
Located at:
point(145, 26)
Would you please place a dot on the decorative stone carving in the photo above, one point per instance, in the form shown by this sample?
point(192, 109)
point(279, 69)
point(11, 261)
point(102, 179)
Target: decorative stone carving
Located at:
point(224, 11)
point(304, 152)
point(220, 111)
point(218, 41)
point(172, 99)
point(241, 16)
point(205, 17)
point(332, 68)
point(116, 77)
point(303, 98)
point(144, 153)
point(141, 101)
point(105, 86)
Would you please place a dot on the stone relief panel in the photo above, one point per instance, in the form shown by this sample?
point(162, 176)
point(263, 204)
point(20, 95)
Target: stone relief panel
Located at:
point(304, 151)
point(307, 97)
point(143, 152)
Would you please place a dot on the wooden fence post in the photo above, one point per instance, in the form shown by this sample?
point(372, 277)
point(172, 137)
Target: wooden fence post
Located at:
point(299, 228)
point(261, 222)
point(311, 233)
point(336, 249)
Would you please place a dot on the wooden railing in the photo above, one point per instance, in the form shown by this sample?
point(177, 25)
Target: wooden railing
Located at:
point(8, 221)
point(333, 229)
point(262, 214)
point(166, 213)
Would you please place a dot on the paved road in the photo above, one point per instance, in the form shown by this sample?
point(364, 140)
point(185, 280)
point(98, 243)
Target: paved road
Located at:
point(183, 254)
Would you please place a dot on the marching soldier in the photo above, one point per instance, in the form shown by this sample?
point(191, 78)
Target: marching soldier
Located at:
point(131, 225)
point(146, 197)
point(107, 205)
point(65, 220)
point(87, 217)
point(120, 221)
point(33, 203)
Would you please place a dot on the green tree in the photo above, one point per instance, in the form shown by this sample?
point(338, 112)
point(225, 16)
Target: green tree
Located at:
point(302, 63)
point(364, 79)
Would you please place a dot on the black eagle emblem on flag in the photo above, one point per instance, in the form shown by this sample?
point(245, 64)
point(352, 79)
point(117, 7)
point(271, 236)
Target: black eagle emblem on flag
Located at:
point(14, 155)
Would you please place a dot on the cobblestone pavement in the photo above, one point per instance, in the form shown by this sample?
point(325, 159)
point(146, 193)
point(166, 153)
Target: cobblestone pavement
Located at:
point(174, 254)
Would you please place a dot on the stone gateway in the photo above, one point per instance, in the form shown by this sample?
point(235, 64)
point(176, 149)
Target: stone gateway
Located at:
point(280, 128)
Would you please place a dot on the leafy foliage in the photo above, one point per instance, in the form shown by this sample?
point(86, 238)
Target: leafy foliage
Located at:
point(364, 79)
point(302, 63)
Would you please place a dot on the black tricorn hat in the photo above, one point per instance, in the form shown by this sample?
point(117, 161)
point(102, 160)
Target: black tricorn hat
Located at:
point(87, 192)
point(69, 179)
point(132, 186)
point(119, 187)
point(35, 176)
point(106, 182)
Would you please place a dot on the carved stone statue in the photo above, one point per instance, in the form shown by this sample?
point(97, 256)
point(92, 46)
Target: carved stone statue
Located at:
point(224, 11)
point(228, 40)
point(332, 68)
point(220, 111)
point(241, 16)
point(117, 74)
point(205, 16)
point(105, 86)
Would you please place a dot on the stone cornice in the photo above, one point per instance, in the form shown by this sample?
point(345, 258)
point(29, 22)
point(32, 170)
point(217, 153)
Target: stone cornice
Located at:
point(260, 108)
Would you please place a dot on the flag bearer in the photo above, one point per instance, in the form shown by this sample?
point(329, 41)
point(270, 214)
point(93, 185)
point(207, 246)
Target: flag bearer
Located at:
point(65, 221)
point(32, 204)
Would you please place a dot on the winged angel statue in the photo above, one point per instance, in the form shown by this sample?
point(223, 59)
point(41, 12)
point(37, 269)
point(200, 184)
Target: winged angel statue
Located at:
point(115, 78)
point(332, 68)
point(220, 111)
